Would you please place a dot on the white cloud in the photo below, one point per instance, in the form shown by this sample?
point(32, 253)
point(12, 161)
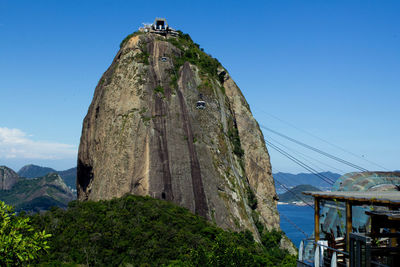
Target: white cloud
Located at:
point(14, 143)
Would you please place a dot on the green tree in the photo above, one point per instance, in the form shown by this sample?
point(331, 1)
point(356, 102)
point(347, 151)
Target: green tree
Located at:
point(19, 243)
point(142, 231)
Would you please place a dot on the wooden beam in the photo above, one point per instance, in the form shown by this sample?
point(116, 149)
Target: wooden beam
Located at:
point(357, 200)
point(349, 224)
point(316, 219)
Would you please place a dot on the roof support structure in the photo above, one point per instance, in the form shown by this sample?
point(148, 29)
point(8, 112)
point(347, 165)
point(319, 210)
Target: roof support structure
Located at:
point(359, 250)
point(316, 219)
point(393, 241)
point(357, 198)
point(349, 223)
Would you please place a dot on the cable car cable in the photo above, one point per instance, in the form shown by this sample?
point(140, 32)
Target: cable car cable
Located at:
point(304, 156)
point(315, 149)
point(302, 164)
point(321, 139)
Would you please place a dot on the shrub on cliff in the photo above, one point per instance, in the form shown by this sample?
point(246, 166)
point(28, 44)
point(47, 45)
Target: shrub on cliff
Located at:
point(142, 230)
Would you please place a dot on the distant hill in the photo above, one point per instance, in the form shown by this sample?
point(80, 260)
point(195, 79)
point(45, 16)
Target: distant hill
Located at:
point(297, 191)
point(37, 194)
point(33, 171)
point(291, 180)
point(69, 177)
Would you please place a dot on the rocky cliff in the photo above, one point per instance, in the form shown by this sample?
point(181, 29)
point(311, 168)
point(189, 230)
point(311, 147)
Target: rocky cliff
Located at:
point(8, 178)
point(146, 133)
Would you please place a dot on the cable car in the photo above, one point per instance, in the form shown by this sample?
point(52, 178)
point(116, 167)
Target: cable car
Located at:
point(201, 104)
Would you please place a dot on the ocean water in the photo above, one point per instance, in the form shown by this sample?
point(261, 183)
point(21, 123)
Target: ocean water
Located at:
point(302, 216)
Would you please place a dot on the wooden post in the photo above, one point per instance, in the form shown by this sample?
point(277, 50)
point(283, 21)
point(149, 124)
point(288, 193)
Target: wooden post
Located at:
point(349, 226)
point(393, 239)
point(316, 219)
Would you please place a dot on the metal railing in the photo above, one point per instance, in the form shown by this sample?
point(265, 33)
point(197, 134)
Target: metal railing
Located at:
point(319, 254)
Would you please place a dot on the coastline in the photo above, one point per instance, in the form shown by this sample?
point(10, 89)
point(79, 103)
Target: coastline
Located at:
point(296, 203)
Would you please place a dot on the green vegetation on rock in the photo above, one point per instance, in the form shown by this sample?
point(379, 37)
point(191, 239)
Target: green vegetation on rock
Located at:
point(143, 55)
point(251, 198)
point(233, 134)
point(142, 231)
point(192, 53)
point(159, 89)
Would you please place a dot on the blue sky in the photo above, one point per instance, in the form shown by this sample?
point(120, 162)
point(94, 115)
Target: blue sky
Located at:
point(330, 68)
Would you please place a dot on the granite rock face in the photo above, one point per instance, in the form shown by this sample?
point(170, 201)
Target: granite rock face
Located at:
point(145, 135)
point(8, 178)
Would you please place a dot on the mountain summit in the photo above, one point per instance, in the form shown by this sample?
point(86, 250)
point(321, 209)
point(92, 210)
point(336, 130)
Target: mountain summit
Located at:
point(33, 171)
point(168, 121)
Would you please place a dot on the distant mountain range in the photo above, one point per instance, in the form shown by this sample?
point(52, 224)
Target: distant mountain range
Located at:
point(288, 179)
point(296, 195)
point(33, 171)
point(292, 180)
point(33, 194)
point(57, 188)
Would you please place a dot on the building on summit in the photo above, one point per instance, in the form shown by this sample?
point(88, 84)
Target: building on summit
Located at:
point(159, 26)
